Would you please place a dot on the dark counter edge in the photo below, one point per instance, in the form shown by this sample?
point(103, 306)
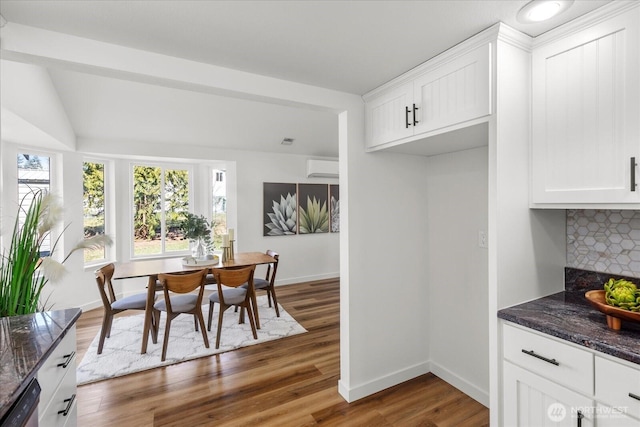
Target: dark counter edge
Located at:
point(577, 282)
point(71, 315)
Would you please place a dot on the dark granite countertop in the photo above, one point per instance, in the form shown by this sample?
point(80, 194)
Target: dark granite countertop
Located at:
point(569, 316)
point(25, 343)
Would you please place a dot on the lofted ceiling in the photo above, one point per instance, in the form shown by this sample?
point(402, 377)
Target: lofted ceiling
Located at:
point(349, 46)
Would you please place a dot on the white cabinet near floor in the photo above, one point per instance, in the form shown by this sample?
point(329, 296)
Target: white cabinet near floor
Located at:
point(430, 99)
point(551, 382)
point(57, 378)
point(586, 114)
point(530, 400)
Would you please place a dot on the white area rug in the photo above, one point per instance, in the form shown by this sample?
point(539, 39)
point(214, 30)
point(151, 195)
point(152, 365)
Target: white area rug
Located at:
point(121, 352)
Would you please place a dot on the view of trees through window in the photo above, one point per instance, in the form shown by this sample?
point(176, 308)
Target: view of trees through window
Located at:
point(219, 212)
point(160, 197)
point(34, 174)
point(93, 204)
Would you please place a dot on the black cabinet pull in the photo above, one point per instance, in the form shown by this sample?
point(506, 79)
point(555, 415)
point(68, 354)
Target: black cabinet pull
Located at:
point(537, 356)
point(406, 117)
point(580, 417)
point(634, 396)
point(415, 122)
point(633, 173)
point(69, 401)
point(68, 358)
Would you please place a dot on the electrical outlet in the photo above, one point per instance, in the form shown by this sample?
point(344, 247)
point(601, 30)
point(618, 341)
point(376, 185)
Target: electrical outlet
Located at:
point(482, 239)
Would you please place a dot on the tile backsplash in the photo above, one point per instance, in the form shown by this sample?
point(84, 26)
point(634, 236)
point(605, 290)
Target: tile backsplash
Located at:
point(604, 240)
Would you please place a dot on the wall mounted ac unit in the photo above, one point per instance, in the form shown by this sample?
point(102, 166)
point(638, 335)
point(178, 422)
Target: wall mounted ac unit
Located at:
point(322, 168)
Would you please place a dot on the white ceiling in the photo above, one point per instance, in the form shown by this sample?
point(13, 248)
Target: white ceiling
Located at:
point(350, 46)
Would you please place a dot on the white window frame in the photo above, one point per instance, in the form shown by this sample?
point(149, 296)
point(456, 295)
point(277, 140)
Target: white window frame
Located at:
point(110, 228)
point(164, 166)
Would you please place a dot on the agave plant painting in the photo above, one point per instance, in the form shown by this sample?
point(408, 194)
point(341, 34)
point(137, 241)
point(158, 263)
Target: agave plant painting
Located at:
point(280, 209)
point(334, 214)
point(26, 268)
point(314, 214)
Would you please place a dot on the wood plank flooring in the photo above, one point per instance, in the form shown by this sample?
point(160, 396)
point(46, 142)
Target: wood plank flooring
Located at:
point(288, 382)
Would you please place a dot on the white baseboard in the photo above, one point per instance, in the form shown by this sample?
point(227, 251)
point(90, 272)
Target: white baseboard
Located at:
point(482, 396)
point(302, 279)
point(374, 386)
point(371, 387)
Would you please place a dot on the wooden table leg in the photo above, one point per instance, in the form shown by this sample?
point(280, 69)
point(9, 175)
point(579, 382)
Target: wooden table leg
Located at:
point(148, 311)
point(254, 303)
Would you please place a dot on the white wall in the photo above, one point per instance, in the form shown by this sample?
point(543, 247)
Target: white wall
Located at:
point(458, 270)
point(388, 296)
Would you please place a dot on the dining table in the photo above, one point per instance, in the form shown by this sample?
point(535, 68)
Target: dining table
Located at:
point(151, 268)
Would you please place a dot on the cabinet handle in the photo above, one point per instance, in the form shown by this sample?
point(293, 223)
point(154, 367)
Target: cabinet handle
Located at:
point(580, 417)
point(68, 358)
point(406, 117)
point(633, 174)
point(69, 401)
point(532, 353)
point(415, 122)
point(634, 396)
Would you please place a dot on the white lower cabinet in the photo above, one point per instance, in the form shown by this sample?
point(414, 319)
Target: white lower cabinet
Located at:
point(530, 400)
point(57, 378)
point(552, 382)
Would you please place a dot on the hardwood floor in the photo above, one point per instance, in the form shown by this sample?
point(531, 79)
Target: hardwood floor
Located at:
point(288, 382)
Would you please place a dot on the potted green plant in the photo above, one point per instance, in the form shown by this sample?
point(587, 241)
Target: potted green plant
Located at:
point(196, 228)
point(25, 269)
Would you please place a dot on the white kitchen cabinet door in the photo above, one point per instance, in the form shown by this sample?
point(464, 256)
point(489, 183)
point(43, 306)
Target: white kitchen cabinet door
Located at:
point(390, 117)
point(530, 400)
point(455, 92)
point(586, 118)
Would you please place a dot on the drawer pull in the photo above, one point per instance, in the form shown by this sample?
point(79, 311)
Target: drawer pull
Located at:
point(532, 353)
point(68, 358)
point(69, 401)
point(634, 396)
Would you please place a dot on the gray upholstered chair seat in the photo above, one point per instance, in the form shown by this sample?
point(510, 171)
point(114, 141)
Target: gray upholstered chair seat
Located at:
point(133, 302)
point(257, 284)
point(231, 296)
point(179, 303)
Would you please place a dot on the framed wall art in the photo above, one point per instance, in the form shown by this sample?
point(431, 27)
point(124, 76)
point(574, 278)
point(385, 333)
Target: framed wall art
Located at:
point(313, 210)
point(334, 207)
point(280, 209)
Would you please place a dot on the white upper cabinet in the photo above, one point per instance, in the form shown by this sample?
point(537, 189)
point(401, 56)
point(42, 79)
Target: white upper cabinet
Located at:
point(586, 118)
point(436, 97)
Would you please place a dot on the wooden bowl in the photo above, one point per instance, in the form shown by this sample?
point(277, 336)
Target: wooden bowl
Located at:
point(615, 315)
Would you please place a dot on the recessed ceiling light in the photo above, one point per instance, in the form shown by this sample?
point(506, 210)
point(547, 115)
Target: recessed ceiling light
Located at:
point(287, 141)
point(541, 10)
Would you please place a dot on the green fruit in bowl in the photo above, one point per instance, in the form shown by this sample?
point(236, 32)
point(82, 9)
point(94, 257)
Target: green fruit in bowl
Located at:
point(623, 294)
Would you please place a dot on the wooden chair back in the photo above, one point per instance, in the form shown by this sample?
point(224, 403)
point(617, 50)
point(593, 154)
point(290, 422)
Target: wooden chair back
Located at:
point(103, 279)
point(272, 268)
point(182, 283)
point(234, 277)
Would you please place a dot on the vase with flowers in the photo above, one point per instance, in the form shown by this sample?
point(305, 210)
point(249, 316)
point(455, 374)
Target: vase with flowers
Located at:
point(25, 268)
point(196, 228)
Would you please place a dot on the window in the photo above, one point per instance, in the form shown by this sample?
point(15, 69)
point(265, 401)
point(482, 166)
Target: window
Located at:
point(94, 207)
point(34, 174)
point(160, 197)
point(219, 211)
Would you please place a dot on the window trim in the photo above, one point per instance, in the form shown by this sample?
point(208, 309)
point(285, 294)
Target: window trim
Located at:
point(110, 228)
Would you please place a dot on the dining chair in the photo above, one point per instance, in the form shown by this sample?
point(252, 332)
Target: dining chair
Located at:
point(231, 293)
point(179, 299)
point(113, 306)
point(268, 283)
